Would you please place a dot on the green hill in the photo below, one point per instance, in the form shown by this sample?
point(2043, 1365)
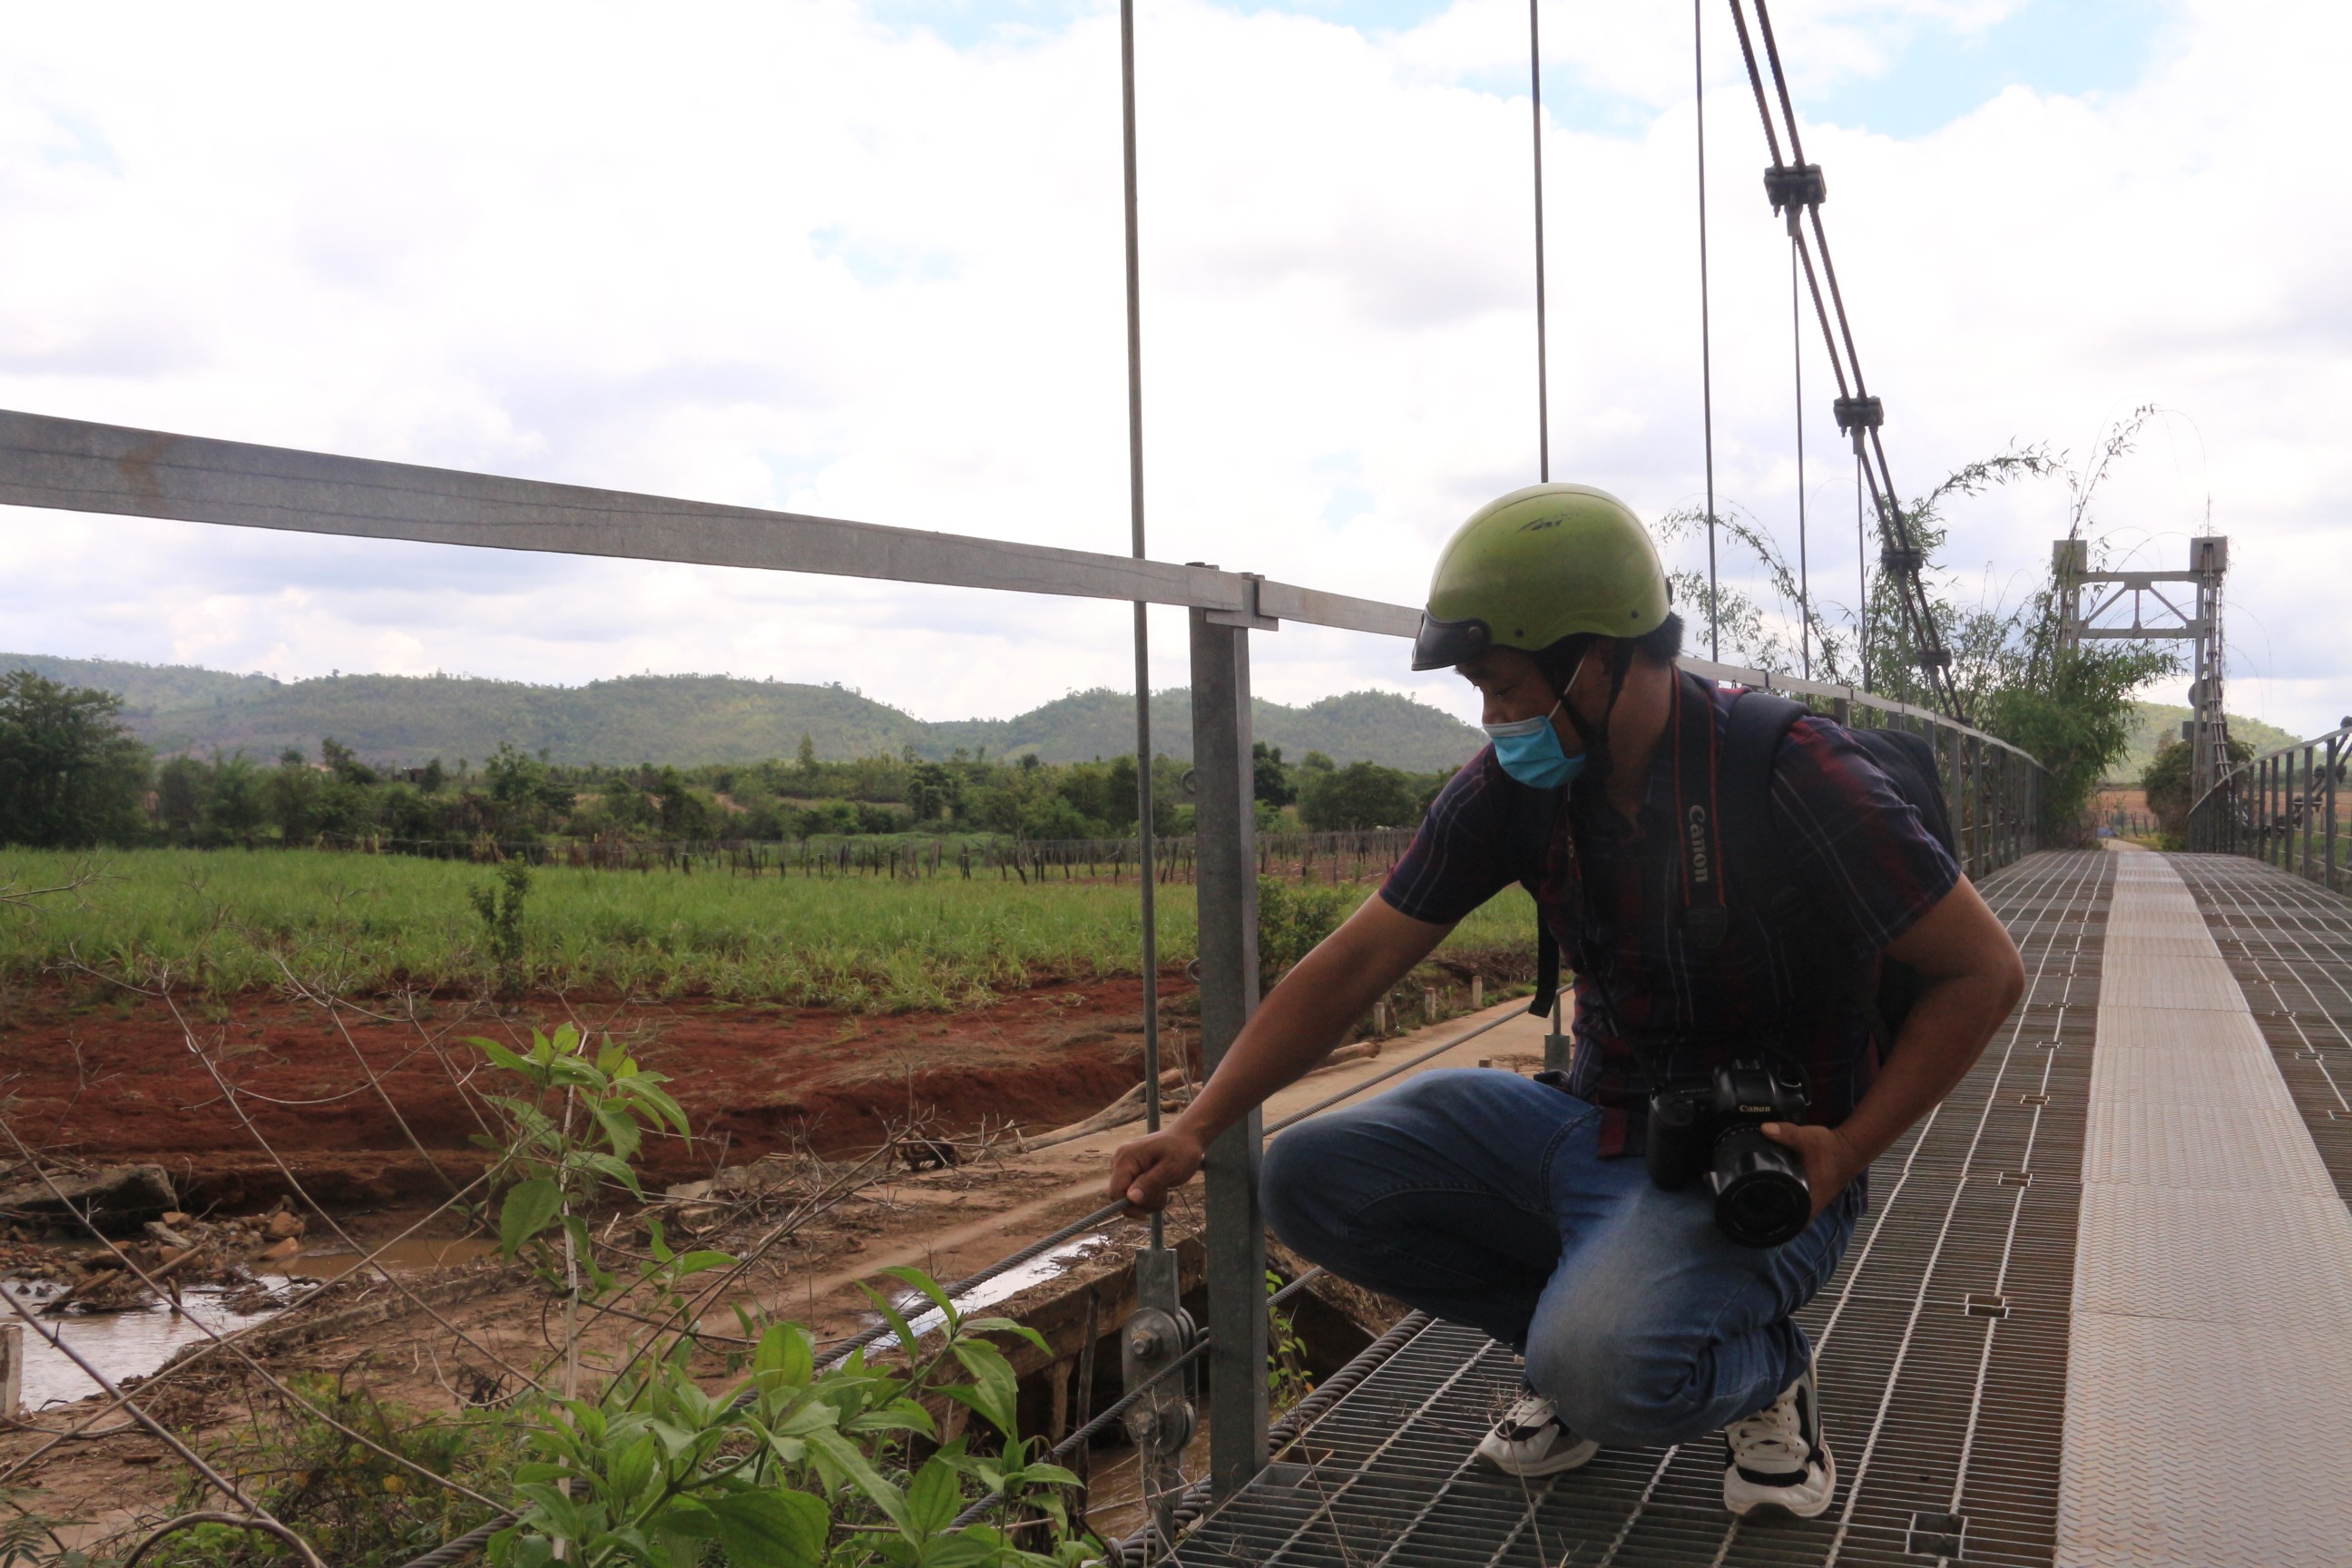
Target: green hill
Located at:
point(2153, 722)
point(397, 720)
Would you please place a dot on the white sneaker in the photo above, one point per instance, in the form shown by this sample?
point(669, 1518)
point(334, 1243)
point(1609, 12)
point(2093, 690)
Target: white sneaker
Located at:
point(1776, 1461)
point(1532, 1440)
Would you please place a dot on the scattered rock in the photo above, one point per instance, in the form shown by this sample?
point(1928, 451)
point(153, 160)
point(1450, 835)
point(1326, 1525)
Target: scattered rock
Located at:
point(750, 1181)
point(279, 1251)
point(115, 1199)
point(686, 1191)
point(929, 1154)
point(284, 1224)
point(162, 1231)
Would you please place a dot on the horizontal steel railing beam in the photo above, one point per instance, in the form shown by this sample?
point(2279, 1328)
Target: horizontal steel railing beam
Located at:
point(1772, 681)
point(72, 465)
point(2130, 579)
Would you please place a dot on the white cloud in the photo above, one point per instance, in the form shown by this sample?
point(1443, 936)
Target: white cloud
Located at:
point(787, 256)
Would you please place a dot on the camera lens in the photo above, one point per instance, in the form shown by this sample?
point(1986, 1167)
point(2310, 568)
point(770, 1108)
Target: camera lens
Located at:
point(1760, 1195)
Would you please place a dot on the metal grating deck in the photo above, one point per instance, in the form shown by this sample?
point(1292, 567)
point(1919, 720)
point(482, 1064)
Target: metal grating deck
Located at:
point(2289, 945)
point(1946, 1421)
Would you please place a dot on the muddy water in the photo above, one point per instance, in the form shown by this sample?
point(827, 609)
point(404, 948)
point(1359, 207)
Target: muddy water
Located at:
point(134, 1343)
point(1012, 1282)
point(119, 1344)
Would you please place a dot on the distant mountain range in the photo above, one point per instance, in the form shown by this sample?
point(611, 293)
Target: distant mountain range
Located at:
point(407, 720)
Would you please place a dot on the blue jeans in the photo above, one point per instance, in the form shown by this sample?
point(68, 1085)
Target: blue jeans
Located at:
point(1478, 1197)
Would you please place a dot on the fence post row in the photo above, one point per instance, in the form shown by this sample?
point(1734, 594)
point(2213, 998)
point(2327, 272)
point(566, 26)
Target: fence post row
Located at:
point(1226, 881)
point(2279, 808)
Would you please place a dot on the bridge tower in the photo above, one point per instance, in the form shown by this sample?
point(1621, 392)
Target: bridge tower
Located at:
point(2091, 605)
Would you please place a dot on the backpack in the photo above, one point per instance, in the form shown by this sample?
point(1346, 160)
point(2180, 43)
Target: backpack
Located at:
point(1750, 850)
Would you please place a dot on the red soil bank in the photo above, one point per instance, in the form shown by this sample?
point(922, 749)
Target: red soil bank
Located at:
point(106, 1080)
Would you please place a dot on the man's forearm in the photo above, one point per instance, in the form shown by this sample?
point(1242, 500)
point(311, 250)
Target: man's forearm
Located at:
point(1306, 1015)
point(1292, 1030)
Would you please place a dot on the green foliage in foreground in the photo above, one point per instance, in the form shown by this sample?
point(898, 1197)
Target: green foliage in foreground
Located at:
point(793, 1466)
point(223, 921)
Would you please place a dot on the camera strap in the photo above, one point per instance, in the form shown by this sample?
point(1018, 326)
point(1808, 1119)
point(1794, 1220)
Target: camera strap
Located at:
point(1698, 816)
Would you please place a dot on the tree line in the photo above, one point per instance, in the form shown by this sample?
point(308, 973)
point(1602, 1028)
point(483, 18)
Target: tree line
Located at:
point(70, 776)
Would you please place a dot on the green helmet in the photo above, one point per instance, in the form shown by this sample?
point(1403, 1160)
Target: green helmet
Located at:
point(1537, 566)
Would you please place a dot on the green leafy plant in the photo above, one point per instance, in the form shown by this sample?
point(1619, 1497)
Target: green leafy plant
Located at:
point(29, 1537)
point(579, 1127)
point(357, 1508)
point(1291, 919)
point(794, 1466)
point(501, 908)
point(1289, 1379)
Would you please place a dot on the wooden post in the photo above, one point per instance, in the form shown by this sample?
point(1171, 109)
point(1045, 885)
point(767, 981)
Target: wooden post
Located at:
point(12, 1370)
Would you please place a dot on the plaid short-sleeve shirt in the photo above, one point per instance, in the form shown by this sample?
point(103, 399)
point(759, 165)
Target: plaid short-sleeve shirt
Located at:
point(1612, 893)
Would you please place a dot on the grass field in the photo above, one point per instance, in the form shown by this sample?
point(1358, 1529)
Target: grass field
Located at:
point(223, 922)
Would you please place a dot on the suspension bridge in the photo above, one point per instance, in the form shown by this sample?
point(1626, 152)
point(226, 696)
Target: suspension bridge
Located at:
point(2100, 1309)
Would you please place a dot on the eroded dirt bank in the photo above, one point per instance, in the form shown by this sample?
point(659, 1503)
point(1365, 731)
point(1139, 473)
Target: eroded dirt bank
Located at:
point(372, 1104)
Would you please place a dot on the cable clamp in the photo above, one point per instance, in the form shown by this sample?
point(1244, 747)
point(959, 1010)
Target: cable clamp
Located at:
point(1904, 560)
point(1794, 187)
point(1859, 413)
point(1935, 659)
point(1858, 416)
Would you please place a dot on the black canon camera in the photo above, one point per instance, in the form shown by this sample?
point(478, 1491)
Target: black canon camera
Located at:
point(1760, 1195)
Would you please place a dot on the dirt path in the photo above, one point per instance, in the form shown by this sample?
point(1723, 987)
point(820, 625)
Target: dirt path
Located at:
point(1072, 1174)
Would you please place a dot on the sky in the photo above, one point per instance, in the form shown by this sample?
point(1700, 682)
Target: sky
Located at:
point(864, 261)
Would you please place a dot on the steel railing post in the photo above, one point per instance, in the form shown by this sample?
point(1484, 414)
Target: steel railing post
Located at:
point(2335, 752)
point(2310, 801)
point(2286, 806)
point(2278, 811)
point(2273, 793)
point(1227, 902)
point(1964, 798)
point(1979, 816)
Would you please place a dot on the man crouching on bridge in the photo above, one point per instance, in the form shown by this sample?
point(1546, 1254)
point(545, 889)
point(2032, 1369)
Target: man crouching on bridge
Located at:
point(1521, 1206)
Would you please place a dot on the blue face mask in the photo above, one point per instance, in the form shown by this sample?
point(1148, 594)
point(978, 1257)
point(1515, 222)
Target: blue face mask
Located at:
point(1528, 750)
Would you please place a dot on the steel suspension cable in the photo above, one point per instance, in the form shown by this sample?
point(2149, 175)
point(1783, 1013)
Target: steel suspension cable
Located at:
point(1804, 567)
point(1706, 338)
point(1859, 413)
point(1861, 578)
point(1543, 370)
point(1145, 878)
